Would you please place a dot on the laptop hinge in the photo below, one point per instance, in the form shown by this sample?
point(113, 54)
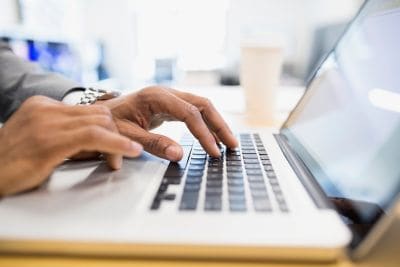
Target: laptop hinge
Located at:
point(302, 172)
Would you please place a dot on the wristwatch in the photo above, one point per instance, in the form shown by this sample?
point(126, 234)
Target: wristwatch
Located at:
point(91, 95)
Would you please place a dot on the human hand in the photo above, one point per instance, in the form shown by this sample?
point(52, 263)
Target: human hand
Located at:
point(43, 133)
point(137, 113)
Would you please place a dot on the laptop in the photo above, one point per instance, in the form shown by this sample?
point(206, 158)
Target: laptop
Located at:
point(322, 187)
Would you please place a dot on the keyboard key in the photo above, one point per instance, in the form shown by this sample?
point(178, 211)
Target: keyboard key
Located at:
point(268, 168)
point(197, 162)
point(255, 178)
point(234, 190)
point(249, 151)
point(279, 197)
point(189, 201)
point(275, 187)
point(271, 174)
point(214, 176)
point(196, 167)
point(214, 183)
point(234, 169)
point(252, 166)
point(235, 182)
point(266, 162)
point(235, 175)
point(214, 170)
point(237, 206)
point(163, 186)
point(216, 164)
point(237, 199)
point(273, 181)
point(169, 197)
point(174, 170)
point(212, 159)
point(257, 186)
point(233, 153)
point(214, 191)
point(155, 205)
point(233, 163)
point(213, 203)
point(283, 207)
point(195, 173)
point(198, 157)
point(250, 156)
point(193, 180)
point(262, 205)
point(254, 172)
point(191, 187)
point(250, 161)
point(264, 157)
point(233, 158)
point(172, 180)
point(259, 193)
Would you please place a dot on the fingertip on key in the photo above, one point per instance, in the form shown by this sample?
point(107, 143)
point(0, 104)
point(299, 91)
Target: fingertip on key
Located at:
point(174, 153)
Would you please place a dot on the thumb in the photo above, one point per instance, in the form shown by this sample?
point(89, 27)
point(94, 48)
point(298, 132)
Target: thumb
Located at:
point(156, 144)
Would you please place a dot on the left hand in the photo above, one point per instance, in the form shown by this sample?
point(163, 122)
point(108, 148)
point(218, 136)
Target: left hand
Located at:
point(139, 112)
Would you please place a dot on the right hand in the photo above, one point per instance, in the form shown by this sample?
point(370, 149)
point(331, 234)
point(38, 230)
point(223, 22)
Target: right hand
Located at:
point(43, 133)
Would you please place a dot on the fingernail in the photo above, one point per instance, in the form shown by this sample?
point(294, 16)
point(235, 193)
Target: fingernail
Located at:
point(136, 148)
point(173, 153)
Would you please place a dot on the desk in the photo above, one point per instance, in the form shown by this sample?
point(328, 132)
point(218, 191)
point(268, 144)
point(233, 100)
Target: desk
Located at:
point(232, 107)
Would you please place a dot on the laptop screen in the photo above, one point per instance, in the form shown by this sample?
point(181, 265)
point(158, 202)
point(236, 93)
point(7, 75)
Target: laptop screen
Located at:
point(346, 128)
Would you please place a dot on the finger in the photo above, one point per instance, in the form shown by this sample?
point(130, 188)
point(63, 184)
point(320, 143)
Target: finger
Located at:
point(105, 121)
point(191, 116)
point(85, 155)
point(96, 138)
point(156, 144)
point(79, 110)
point(212, 117)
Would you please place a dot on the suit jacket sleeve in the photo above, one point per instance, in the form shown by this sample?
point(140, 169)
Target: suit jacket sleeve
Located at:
point(20, 79)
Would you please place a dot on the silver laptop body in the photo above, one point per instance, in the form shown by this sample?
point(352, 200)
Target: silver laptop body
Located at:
point(297, 194)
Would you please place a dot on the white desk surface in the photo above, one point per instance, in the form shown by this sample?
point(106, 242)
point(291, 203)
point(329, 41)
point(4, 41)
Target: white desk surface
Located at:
point(229, 101)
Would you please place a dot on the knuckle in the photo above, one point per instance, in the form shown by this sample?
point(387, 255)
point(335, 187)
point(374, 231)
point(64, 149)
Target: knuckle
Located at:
point(36, 104)
point(155, 144)
point(150, 92)
point(92, 133)
point(101, 110)
point(106, 121)
point(193, 111)
point(207, 103)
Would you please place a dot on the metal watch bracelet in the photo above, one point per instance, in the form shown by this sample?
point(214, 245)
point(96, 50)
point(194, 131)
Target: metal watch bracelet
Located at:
point(91, 95)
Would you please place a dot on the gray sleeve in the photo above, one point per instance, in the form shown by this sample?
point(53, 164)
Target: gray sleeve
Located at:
point(20, 79)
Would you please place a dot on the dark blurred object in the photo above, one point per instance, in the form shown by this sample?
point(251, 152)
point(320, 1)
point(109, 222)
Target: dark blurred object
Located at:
point(325, 39)
point(230, 75)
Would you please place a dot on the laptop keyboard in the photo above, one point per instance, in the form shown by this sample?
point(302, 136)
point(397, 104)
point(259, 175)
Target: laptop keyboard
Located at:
point(244, 169)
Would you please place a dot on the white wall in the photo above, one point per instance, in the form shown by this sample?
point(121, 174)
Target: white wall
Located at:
point(295, 20)
point(8, 14)
point(115, 23)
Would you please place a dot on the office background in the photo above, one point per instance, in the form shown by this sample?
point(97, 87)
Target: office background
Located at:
point(129, 43)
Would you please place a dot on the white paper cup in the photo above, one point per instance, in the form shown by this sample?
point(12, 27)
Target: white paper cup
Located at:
point(260, 71)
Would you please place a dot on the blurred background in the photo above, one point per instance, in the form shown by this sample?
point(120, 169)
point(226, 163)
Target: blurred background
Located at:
point(130, 43)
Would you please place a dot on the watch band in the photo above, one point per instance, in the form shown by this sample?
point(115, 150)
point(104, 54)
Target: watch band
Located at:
point(91, 95)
